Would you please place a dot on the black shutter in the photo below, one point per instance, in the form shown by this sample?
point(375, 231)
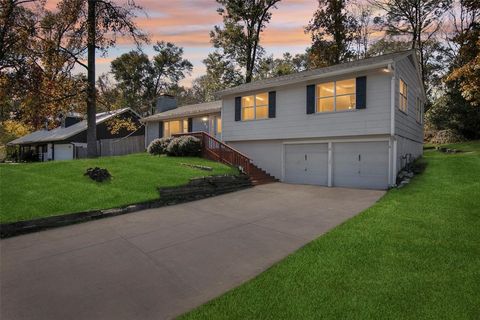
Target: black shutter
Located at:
point(311, 99)
point(361, 97)
point(272, 104)
point(160, 129)
point(238, 108)
point(190, 124)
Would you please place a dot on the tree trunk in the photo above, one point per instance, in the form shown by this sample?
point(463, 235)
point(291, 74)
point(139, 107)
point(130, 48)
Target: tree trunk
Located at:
point(91, 94)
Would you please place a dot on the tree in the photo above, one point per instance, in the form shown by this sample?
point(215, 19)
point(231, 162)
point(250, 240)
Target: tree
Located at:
point(465, 73)
point(220, 74)
point(362, 14)
point(269, 67)
point(332, 30)
point(141, 80)
point(417, 20)
point(244, 21)
point(387, 45)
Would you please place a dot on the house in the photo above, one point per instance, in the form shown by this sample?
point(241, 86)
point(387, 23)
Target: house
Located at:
point(170, 119)
point(69, 141)
point(355, 124)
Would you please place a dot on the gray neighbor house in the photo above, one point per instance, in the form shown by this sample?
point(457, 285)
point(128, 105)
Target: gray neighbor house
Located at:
point(355, 124)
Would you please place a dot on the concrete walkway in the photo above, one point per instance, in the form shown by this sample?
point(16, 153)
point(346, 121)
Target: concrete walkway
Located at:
point(159, 263)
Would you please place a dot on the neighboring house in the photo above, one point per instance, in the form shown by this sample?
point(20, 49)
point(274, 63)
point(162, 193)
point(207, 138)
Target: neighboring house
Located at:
point(69, 141)
point(170, 119)
point(354, 124)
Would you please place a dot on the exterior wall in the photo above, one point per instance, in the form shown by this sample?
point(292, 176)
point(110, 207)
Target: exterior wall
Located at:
point(292, 121)
point(408, 131)
point(406, 148)
point(406, 124)
point(151, 132)
point(268, 154)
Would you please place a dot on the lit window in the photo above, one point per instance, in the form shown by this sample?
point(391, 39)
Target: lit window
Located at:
point(175, 126)
point(403, 104)
point(255, 107)
point(336, 96)
point(219, 125)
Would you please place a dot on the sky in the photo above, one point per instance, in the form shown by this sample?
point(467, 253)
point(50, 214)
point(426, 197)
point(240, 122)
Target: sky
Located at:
point(187, 24)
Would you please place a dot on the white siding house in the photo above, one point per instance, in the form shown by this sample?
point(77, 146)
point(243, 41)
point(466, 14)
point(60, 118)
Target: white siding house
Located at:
point(337, 126)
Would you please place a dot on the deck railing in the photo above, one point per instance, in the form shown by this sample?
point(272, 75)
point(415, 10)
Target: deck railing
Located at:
point(214, 149)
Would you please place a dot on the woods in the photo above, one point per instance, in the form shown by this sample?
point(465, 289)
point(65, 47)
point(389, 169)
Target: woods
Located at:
point(47, 56)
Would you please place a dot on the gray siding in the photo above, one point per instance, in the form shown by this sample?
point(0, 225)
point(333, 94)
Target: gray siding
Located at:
point(266, 154)
point(292, 121)
point(151, 132)
point(406, 125)
point(407, 146)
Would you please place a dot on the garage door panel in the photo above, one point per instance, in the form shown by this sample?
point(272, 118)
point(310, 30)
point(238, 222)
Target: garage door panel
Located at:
point(306, 163)
point(360, 164)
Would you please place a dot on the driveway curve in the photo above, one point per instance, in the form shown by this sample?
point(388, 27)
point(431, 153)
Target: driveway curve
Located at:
point(159, 263)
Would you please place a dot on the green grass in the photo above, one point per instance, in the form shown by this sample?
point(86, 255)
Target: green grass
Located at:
point(44, 189)
point(414, 255)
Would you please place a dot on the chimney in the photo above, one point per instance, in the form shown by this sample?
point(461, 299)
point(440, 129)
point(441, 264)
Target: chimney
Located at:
point(165, 102)
point(70, 119)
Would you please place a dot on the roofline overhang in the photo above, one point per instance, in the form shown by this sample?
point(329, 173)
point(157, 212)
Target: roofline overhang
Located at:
point(378, 65)
point(152, 118)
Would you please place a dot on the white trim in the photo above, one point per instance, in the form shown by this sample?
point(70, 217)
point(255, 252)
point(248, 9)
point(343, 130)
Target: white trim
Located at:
point(283, 162)
point(392, 105)
point(390, 162)
point(330, 165)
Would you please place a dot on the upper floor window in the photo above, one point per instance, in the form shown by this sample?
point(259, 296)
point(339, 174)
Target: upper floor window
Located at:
point(336, 96)
point(418, 110)
point(403, 96)
point(255, 106)
point(175, 126)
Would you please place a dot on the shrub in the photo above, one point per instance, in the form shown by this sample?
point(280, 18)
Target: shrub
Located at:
point(184, 146)
point(98, 174)
point(159, 146)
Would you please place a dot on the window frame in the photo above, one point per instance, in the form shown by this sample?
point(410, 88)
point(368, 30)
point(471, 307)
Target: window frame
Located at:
point(183, 126)
point(402, 97)
point(254, 96)
point(334, 96)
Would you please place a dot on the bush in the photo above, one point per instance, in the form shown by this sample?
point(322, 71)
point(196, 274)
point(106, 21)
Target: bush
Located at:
point(184, 146)
point(446, 136)
point(159, 146)
point(98, 174)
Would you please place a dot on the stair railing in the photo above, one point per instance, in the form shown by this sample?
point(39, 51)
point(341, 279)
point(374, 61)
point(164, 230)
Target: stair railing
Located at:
point(216, 150)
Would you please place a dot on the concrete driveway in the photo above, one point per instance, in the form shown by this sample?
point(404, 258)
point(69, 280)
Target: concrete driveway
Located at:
point(159, 263)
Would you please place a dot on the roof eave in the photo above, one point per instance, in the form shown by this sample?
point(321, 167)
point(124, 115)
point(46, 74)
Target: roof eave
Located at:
point(308, 78)
point(153, 118)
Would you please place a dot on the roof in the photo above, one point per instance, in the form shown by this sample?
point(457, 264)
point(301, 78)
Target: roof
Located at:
point(61, 133)
point(362, 64)
point(199, 109)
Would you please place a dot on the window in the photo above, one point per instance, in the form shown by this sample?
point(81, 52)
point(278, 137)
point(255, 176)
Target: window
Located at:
point(403, 96)
point(255, 107)
point(175, 126)
point(418, 110)
point(219, 125)
point(336, 96)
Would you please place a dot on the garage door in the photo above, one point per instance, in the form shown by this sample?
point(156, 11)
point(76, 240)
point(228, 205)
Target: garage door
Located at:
point(306, 163)
point(63, 152)
point(360, 165)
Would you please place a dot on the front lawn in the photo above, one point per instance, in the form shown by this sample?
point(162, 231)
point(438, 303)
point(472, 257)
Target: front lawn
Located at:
point(413, 255)
point(44, 189)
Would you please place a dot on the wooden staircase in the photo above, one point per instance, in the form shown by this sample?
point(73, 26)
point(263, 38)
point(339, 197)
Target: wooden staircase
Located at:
point(216, 150)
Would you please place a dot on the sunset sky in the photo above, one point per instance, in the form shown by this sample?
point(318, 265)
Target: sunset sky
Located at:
point(187, 23)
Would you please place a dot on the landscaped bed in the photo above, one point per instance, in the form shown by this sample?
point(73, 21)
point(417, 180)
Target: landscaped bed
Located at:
point(35, 190)
point(413, 255)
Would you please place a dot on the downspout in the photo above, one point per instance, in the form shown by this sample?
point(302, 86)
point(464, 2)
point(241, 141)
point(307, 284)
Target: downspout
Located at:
point(393, 140)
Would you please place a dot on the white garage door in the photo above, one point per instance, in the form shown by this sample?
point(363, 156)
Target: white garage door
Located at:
point(63, 152)
point(306, 163)
point(360, 164)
